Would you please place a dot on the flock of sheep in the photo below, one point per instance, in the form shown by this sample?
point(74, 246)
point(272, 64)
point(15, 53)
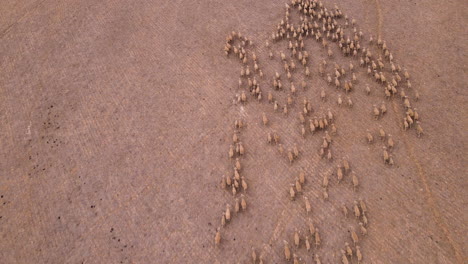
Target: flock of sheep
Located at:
point(326, 27)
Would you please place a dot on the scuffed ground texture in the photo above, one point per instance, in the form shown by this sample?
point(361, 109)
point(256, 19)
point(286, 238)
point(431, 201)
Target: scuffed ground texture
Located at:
point(116, 120)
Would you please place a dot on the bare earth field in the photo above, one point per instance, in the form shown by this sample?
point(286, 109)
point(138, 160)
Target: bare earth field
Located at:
point(116, 119)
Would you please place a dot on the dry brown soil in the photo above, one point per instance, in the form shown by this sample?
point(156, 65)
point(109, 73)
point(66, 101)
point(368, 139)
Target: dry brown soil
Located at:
point(116, 118)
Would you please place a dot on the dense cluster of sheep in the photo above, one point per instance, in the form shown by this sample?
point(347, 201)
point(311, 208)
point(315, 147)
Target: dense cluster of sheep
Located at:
point(326, 27)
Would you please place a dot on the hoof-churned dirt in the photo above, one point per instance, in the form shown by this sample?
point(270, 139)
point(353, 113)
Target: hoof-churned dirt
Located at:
point(121, 139)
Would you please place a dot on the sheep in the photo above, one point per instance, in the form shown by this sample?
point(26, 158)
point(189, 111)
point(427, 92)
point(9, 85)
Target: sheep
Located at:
point(345, 210)
point(364, 219)
point(289, 100)
point(357, 212)
point(390, 142)
point(327, 136)
point(339, 174)
point(307, 205)
point(325, 143)
point(283, 57)
point(376, 112)
point(228, 181)
point(350, 102)
point(223, 220)
point(293, 88)
point(217, 237)
point(243, 203)
point(317, 259)
point(321, 70)
point(231, 152)
point(329, 79)
point(307, 243)
point(254, 255)
point(410, 120)
point(228, 212)
point(351, 67)
point(276, 138)
point(243, 97)
point(302, 177)
point(325, 195)
point(307, 71)
point(339, 101)
point(333, 129)
point(269, 138)
point(301, 118)
point(303, 131)
point(275, 106)
point(244, 184)
point(292, 193)
point(223, 183)
point(358, 254)
point(419, 129)
point(407, 102)
point(349, 251)
point(325, 181)
point(236, 174)
point(236, 206)
point(295, 259)
point(354, 237)
point(363, 229)
point(236, 185)
point(329, 52)
point(347, 87)
point(238, 124)
point(317, 238)
point(280, 149)
point(303, 84)
point(406, 74)
point(369, 137)
point(287, 251)
point(398, 78)
point(416, 115)
point(385, 155)
point(297, 239)
point(295, 151)
point(381, 133)
point(416, 95)
point(247, 71)
point(264, 119)
point(311, 227)
point(238, 165)
point(298, 186)
point(344, 259)
point(405, 124)
point(322, 95)
point(383, 108)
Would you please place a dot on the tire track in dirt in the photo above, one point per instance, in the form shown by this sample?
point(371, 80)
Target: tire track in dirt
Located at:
point(430, 200)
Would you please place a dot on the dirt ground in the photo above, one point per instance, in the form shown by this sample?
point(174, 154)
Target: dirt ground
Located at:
point(116, 120)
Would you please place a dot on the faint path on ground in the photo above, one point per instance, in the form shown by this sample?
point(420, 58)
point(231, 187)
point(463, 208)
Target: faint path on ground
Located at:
point(430, 200)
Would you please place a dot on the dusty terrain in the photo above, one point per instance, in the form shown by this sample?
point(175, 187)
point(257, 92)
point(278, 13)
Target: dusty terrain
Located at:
point(116, 121)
